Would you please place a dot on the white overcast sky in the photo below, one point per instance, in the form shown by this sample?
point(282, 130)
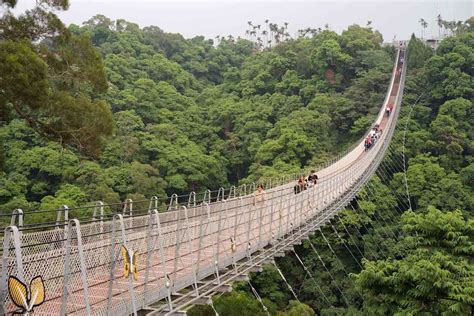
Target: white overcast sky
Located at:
point(224, 17)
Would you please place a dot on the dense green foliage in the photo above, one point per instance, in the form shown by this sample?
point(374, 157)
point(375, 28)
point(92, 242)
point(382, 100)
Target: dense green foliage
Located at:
point(433, 271)
point(147, 112)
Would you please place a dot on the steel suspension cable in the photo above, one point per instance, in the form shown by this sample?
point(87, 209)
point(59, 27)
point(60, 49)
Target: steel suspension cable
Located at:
point(211, 303)
point(370, 190)
point(333, 252)
point(259, 299)
point(311, 276)
point(386, 173)
point(329, 272)
point(375, 231)
point(287, 284)
point(335, 255)
point(412, 105)
point(345, 244)
point(383, 175)
point(376, 219)
point(380, 215)
point(402, 165)
point(350, 236)
point(408, 199)
point(400, 204)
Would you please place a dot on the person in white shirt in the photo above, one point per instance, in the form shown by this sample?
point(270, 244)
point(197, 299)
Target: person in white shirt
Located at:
point(260, 196)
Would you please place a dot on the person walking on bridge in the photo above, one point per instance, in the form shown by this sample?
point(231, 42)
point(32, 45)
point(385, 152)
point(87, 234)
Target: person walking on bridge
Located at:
point(260, 196)
point(389, 109)
point(312, 178)
point(301, 185)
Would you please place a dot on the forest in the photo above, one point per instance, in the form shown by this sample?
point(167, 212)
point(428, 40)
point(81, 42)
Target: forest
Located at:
point(141, 112)
point(107, 110)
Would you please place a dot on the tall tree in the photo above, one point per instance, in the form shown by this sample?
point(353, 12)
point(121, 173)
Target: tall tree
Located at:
point(52, 79)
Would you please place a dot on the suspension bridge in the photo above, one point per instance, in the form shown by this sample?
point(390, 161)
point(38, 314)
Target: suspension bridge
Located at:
point(161, 257)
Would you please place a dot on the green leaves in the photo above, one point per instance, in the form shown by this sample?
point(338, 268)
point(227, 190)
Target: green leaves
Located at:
point(433, 271)
point(23, 75)
point(434, 276)
point(450, 231)
point(50, 84)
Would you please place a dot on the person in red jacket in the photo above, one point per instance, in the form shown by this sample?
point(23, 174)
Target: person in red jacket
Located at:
point(389, 109)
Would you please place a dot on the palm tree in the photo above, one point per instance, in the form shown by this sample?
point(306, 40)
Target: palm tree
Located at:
point(451, 26)
point(300, 33)
point(249, 29)
point(266, 29)
point(460, 27)
point(440, 24)
point(273, 29)
point(265, 33)
point(259, 43)
point(424, 25)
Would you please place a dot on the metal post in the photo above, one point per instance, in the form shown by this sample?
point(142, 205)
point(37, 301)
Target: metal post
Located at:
point(223, 208)
point(249, 225)
point(238, 213)
point(280, 214)
point(119, 217)
point(173, 202)
point(201, 236)
point(272, 234)
point(293, 221)
point(232, 192)
point(190, 249)
point(82, 264)
point(17, 214)
point(99, 206)
point(177, 248)
point(112, 266)
point(156, 216)
point(192, 199)
point(128, 206)
point(243, 190)
point(207, 197)
point(260, 224)
point(253, 187)
point(220, 194)
point(209, 223)
point(149, 244)
point(64, 209)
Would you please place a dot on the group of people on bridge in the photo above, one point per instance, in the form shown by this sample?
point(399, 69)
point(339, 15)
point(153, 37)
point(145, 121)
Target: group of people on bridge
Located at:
point(306, 182)
point(374, 134)
point(302, 184)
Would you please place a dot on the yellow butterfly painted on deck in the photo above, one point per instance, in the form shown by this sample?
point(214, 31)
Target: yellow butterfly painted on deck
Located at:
point(130, 260)
point(24, 299)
